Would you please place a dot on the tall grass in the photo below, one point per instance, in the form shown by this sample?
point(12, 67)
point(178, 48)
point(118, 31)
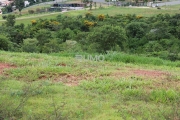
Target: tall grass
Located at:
point(125, 58)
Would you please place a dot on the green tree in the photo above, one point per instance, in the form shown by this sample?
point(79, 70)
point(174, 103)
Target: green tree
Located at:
point(95, 5)
point(7, 9)
point(136, 29)
point(66, 34)
point(19, 5)
point(52, 46)
point(30, 45)
point(106, 38)
point(4, 42)
point(90, 6)
point(160, 30)
point(43, 36)
point(10, 20)
point(145, 1)
point(136, 32)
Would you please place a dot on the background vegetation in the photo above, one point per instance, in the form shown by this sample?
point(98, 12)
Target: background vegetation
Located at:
point(156, 36)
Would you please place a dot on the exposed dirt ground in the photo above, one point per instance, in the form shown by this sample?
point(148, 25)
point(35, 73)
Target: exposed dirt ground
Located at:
point(158, 78)
point(4, 66)
point(148, 74)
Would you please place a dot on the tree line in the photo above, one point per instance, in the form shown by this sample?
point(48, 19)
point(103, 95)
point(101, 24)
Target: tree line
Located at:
point(157, 36)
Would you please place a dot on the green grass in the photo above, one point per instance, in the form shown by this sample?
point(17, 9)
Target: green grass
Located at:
point(147, 12)
point(125, 58)
point(42, 86)
point(172, 7)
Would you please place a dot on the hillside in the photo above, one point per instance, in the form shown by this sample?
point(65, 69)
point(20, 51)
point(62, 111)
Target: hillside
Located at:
point(40, 86)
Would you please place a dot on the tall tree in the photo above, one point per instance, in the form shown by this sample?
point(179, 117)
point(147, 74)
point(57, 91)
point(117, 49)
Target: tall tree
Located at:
point(90, 6)
point(19, 5)
point(10, 20)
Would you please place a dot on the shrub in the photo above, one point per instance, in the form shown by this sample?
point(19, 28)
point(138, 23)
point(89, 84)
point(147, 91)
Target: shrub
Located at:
point(160, 30)
point(153, 46)
point(33, 22)
point(90, 16)
point(66, 34)
point(51, 47)
point(54, 25)
point(139, 17)
point(4, 42)
point(30, 45)
point(89, 23)
point(38, 10)
point(10, 20)
point(4, 17)
point(43, 36)
point(101, 17)
point(106, 38)
point(31, 11)
point(136, 29)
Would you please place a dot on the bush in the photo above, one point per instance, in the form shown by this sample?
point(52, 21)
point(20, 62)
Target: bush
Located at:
point(10, 20)
point(101, 17)
point(31, 11)
point(4, 42)
point(4, 17)
point(90, 16)
point(30, 45)
point(38, 10)
point(66, 34)
point(43, 36)
point(51, 47)
point(153, 46)
point(136, 29)
point(106, 38)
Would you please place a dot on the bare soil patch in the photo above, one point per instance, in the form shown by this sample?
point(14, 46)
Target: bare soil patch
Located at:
point(160, 79)
point(132, 72)
point(4, 66)
point(71, 80)
point(151, 74)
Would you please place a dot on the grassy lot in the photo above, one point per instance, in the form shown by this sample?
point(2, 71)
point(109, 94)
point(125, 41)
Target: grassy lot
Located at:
point(127, 10)
point(55, 86)
point(172, 7)
point(26, 18)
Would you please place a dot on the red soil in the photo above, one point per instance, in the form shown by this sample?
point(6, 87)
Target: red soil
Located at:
point(153, 74)
point(71, 80)
point(4, 66)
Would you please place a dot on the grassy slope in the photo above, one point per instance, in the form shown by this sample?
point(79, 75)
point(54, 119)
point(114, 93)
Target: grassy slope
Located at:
point(58, 87)
point(26, 19)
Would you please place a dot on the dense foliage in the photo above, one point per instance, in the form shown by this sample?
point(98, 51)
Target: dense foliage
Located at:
point(152, 36)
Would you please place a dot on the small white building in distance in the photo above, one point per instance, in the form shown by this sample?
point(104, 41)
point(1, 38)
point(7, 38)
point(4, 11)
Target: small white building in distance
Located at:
point(26, 3)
